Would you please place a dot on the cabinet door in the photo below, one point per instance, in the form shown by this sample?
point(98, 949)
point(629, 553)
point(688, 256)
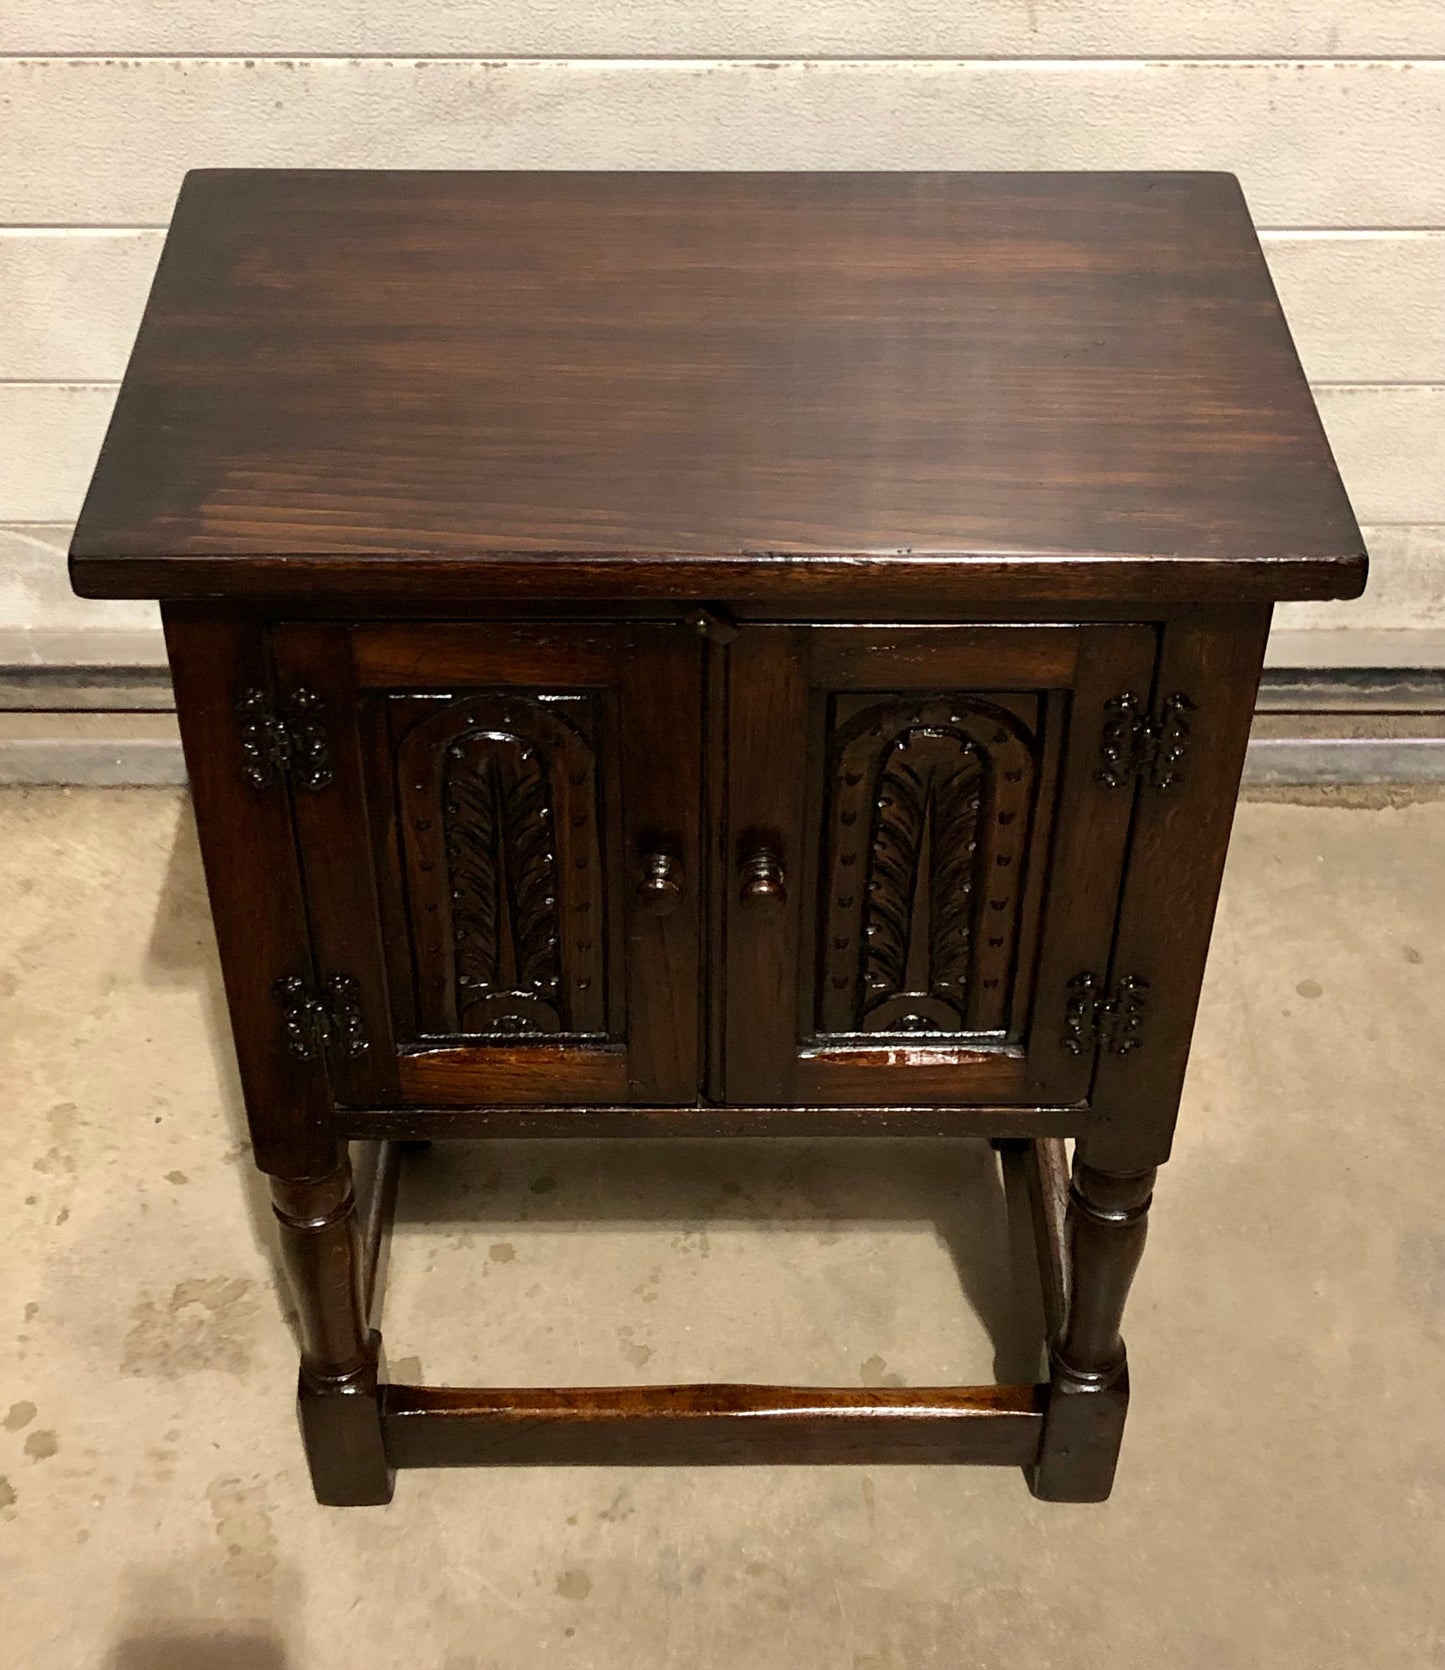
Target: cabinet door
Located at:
point(505, 860)
point(923, 852)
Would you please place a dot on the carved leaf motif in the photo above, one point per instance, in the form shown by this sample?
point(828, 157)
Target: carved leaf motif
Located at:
point(927, 827)
point(893, 869)
point(957, 796)
point(532, 870)
point(471, 836)
point(499, 795)
point(920, 886)
point(502, 872)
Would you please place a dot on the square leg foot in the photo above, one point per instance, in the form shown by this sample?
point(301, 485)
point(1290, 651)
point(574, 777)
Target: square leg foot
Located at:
point(341, 1429)
point(1083, 1429)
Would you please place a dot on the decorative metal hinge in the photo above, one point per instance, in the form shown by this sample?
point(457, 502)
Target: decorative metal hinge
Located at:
point(1112, 1019)
point(283, 736)
point(329, 1020)
point(1143, 746)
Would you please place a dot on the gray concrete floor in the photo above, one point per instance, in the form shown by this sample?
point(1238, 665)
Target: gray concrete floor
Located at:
point(1281, 1492)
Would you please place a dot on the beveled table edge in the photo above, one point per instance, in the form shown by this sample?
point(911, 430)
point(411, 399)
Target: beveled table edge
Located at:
point(744, 577)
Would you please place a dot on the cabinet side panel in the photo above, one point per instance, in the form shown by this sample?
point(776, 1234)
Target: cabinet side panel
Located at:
point(1178, 847)
point(335, 839)
point(254, 882)
point(1089, 855)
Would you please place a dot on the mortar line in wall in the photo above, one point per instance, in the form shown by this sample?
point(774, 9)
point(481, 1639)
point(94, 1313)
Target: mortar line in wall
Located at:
point(1346, 234)
point(120, 58)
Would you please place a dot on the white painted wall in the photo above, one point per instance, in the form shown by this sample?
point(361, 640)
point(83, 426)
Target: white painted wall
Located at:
point(1332, 112)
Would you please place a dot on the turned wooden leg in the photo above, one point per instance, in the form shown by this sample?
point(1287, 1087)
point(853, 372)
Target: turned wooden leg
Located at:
point(1104, 1232)
point(337, 1393)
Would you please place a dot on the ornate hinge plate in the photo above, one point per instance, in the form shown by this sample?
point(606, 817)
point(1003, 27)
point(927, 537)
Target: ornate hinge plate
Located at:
point(283, 736)
point(1112, 1019)
point(1140, 744)
point(329, 1020)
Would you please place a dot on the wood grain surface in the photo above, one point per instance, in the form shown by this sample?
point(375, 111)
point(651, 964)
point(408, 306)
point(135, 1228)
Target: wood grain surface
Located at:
point(467, 375)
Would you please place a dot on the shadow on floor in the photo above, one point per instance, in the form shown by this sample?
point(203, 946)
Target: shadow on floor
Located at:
point(182, 951)
point(952, 1184)
point(208, 1650)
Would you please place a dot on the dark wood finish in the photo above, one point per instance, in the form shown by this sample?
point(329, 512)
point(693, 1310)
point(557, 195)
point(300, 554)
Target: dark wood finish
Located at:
point(1047, 1179)
point(531, 880)
point(1104, 1235)
point(254, 883)
point(335, 840)
point(918, 587)
point(1036, 380)
point(695, 1425)
point(716, 702)
point(722, 655)
point(703, 1119)
point(375, 1169)
point(326, 1260)
point(526, 1073)
point(1104, 1232)
point(512, 924)
point(950, 788)
point(1176, 861)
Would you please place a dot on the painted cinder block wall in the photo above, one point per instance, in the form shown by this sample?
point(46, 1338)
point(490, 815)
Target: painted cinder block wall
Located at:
point(1332, 112)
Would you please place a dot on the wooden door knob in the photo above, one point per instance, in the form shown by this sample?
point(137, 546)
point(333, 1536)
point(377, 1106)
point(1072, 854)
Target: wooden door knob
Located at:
point(659, 888)
point(762, 882)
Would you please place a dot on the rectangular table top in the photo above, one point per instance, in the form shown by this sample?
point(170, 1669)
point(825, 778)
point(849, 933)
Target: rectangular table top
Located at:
point(1065, 385)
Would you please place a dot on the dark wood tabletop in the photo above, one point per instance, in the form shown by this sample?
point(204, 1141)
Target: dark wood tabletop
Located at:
point(681, 382)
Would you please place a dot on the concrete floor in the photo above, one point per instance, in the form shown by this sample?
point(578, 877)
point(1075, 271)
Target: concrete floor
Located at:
point(1281, 1493)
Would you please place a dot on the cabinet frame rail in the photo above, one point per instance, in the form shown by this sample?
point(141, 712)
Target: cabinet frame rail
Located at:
point(702, 1424)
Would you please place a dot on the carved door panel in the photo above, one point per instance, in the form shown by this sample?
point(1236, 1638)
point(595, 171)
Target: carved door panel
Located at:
point(507, 862)
point(924, 852)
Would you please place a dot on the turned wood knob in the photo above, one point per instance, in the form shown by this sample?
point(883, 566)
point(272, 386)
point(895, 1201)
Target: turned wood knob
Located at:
point(659, 888)
point(761, 880)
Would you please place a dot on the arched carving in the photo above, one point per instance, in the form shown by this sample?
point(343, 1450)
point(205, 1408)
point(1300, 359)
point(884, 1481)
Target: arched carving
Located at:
point(499, 796)
point(502, 867)
point(926, 824)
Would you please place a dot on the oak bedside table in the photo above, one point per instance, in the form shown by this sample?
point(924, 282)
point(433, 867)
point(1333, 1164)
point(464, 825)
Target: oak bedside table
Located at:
point(719, 654)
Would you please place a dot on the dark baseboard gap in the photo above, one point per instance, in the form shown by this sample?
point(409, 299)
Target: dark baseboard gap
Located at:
point(115, 725)
point(1352, 690)
point(89, 689)
point(56, 689)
